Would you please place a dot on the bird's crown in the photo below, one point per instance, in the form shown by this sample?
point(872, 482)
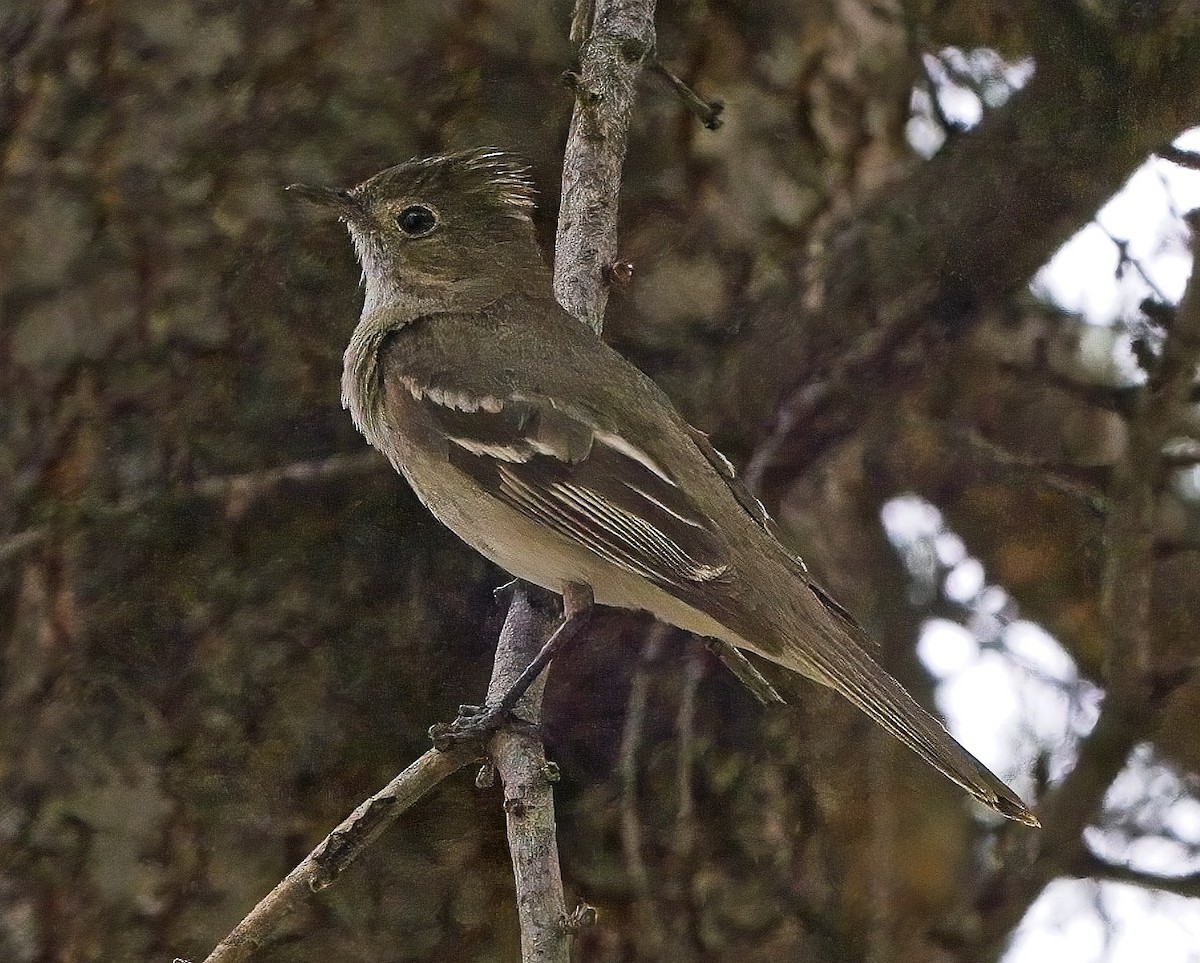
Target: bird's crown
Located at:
point(482, 174)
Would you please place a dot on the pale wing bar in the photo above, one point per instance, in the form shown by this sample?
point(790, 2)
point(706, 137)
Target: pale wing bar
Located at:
point(589, 484)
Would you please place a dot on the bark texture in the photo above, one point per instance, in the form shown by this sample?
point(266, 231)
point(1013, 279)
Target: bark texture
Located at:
point(223, 624)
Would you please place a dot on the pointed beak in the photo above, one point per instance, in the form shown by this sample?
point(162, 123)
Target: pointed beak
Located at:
point(341, 201)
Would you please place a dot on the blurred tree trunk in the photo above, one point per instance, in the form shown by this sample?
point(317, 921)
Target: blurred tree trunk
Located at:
point(224, 622)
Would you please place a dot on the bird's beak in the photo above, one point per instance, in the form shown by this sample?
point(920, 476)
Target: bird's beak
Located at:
point(338, 200)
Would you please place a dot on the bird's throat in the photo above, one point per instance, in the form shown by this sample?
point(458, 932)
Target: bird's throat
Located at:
point(361, 388)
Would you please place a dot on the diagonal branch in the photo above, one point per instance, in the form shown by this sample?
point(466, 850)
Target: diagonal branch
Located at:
point(1130, 530)
point(1138, 690)
point(1177, 155)
point(968, 228)
point(1089, 865)
point(970, 455)
point(336, 852)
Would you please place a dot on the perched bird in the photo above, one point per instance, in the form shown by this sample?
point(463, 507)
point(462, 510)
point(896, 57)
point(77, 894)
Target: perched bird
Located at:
point(544, 449)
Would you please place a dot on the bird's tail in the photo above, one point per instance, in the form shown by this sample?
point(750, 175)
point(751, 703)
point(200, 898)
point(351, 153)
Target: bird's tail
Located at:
point(838, 660)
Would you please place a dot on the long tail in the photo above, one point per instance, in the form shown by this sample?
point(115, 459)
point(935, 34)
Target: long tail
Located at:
point(823, 644)
point(836, 659)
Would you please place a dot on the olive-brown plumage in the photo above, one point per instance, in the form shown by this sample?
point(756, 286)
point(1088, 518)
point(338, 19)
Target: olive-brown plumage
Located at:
point(549, 453)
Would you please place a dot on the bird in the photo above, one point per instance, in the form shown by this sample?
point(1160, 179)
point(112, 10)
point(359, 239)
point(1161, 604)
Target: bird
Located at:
point(549, 453)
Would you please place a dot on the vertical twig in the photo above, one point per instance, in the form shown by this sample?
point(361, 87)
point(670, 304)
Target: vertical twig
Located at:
point(880, 942)
point(681, 868)
point(620, 42)
point(649, 936)
point(685, 728)
point(520, 759)
point(620, 39)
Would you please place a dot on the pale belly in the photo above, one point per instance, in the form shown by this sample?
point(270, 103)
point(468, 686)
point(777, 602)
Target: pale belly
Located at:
point(537, 554)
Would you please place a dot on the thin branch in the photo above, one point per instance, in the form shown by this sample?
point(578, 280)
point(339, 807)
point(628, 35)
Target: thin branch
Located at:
point(650, 935)
point(239, 493)
point(17, 545)
point(236, 494)
point(1177, 155)
point(881, 924)
point(336, 852)
point(685, 729)
point(1124, 257)
point(818, 400)
point(520, 759)
point(1115, 398)
point(1089, 865)
point(708, 112)
point(682, 908)
point(745, 672)
point(620, 42)
point(981, 455)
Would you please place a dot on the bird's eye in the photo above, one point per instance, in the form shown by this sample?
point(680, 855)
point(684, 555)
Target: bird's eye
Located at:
point(416, 221)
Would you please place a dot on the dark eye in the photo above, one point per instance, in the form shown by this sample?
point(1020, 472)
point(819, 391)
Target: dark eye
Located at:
point(416, 221)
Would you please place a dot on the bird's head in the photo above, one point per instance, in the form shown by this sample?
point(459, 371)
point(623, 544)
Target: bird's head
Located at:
point(439, 228)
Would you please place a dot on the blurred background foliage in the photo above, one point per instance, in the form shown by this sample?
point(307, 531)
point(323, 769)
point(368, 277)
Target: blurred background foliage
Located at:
point(225, 622)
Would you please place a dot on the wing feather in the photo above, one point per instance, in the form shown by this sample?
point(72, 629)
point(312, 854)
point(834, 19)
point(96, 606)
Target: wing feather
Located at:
point(755, 509)
point(586, 482)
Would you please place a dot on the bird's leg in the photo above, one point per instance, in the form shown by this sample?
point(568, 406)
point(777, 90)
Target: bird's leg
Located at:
point(745, 671)
point(577, 609)
point(477, 723)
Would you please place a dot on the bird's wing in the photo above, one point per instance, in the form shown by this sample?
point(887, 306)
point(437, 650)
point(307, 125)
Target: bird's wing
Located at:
point(589, 484)
point(754, 508)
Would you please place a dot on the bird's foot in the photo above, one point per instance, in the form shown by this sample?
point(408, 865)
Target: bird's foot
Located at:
point(475, 725)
